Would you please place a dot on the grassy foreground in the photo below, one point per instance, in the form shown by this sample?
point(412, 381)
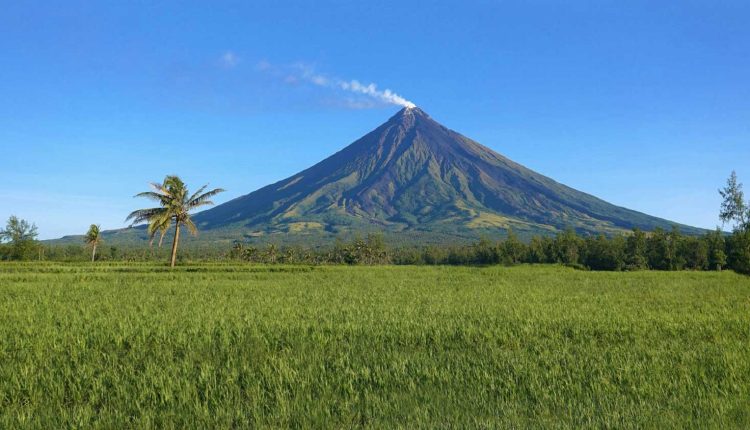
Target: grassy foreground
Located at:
point(235, 346)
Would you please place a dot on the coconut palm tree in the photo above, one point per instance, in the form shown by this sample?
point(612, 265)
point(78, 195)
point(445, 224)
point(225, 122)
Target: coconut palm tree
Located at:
point(93, 238)
point(175, 204)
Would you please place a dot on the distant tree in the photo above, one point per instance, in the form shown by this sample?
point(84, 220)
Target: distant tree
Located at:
point(238, 249)
point(21, 236)
point(175, 204)
point(717, 249)
point(665, 251)
point(289, 255)
point(736, 211)
point(540, 250)
point(693, 253)
point(635, 251)
point(434, 255)
point(676, 256)
point(462, 255)
point(513, 250)
point(250, 253)
point(658, 250)
point(568, 247)
point(739, 251)
point(410, 255)
point(485, 252)
point(604, 254)
point(376, 252)
point(93, 238)
point(733, 207)
point(337, 254)
point(271, 253)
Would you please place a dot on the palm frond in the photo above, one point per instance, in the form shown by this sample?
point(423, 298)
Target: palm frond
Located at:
point(161, 237)
point(197, 193)
point(141, 215)
point(153, 195)
point(159, 223)
point(93, 235)
point(174, 185)
point(203, 199)
point(155, 226)
point(190, 225)
point(159, 188)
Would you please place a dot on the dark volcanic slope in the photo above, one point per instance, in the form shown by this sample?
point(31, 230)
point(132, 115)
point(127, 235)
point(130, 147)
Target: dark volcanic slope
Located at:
point(413, 174)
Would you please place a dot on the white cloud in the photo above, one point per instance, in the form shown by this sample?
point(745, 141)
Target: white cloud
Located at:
point(263, 66)
point(229, 59)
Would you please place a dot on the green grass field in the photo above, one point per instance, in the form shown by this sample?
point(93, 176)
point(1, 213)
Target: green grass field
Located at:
point(113, 346)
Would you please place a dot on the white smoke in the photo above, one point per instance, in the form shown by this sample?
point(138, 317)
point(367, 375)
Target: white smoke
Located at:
point(302, 72)
point(371, 90)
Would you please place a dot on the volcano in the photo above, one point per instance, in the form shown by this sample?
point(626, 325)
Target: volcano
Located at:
point(414, 177)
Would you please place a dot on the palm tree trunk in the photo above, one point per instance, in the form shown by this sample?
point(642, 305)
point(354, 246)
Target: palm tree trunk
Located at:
point(93, 253)
point(174, 244)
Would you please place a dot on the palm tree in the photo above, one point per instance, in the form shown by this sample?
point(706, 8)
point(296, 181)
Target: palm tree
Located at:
point(93, 238)
point(271, 252)
point(175, 204)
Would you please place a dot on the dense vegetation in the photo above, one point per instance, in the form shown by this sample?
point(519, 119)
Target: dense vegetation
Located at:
point(220, 346)
point(658, 250)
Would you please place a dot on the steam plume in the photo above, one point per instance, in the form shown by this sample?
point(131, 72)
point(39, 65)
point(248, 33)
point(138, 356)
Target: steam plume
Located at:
point(371, 90)
point(305, 72)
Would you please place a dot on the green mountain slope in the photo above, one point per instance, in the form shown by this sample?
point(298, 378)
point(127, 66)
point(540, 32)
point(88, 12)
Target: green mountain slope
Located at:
point(416, 181)
point(412, 174)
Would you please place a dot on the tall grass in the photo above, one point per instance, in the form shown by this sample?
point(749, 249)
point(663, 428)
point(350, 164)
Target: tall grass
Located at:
point(139, 346)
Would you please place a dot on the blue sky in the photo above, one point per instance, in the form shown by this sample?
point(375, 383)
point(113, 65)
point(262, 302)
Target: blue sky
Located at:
point(644, 104)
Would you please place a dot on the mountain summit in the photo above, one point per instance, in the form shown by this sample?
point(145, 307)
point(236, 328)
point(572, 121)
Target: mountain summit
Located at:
point(413, 175)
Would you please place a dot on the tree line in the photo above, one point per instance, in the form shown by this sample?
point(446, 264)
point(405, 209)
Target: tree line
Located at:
point(638, 250)
point(658, 250)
